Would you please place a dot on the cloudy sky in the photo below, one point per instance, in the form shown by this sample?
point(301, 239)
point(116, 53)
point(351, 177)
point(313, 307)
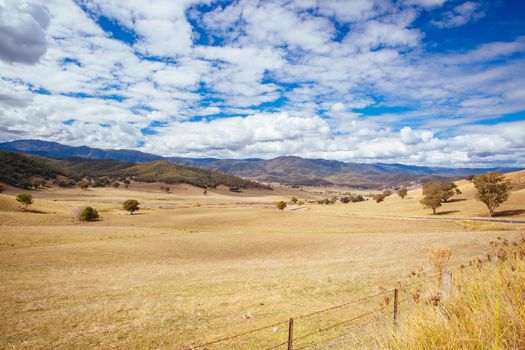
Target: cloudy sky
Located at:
point(429, 82)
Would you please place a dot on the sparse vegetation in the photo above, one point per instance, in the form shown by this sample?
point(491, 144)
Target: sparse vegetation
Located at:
point(281, 205)
point(89, 214)
point(492, 189)
point(402, 192)
point(379, 197)
point(25, 200)
point(131, 205)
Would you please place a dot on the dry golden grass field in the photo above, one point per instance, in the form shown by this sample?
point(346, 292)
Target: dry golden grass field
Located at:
point(189, 267)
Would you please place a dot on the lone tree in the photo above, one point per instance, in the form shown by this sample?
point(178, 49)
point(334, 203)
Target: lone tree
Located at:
point(293, 200)
point(89, 214)
point(492, 189)
point(24, 199)
point(402, 192)
point(432, 196)
point(131, 205)
point(281, 205)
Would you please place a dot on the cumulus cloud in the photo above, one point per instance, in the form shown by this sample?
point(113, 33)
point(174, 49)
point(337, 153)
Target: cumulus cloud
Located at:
point(22, 31)
point(310, 78)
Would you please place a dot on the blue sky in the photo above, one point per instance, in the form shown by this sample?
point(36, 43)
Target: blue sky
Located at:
point(429, 82)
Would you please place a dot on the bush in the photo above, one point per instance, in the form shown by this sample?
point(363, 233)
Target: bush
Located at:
point(379, 198)
point(345, 200)
point(25, 199)
point(89, 214)
point(402, 192)
point(67, 183)
point(83, 185)
point(131, 205)
point(293, 200)
point(2, 188)
point(387, 193)
point(281, 205)
point(116, 184)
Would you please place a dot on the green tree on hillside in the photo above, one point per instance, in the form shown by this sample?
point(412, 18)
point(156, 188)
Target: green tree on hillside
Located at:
point(131, 205)
point(24, 199)
point(492, 189)
point(402, 192)
point(432, 196)
point(448, 189)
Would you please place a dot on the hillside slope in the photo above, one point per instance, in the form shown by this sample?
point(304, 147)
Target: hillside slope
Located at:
point(20, 168)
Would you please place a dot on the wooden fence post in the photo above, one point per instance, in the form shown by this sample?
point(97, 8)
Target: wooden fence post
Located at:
point(396, 301)
point(290, 334)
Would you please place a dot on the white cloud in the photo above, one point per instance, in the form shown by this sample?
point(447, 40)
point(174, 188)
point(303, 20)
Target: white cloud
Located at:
point(460, 15)
point(22, 31)
point(283, 54)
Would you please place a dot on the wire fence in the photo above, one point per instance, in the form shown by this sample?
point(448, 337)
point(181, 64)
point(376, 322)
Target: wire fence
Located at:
point(344, 327)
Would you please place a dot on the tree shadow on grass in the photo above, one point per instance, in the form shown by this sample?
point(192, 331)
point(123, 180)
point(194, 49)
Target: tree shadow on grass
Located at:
point(447, 212)
point(34, 211)
point(509, 212)
point(456, 200)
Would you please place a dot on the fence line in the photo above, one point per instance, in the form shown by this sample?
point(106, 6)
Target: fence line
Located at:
point(403, 287)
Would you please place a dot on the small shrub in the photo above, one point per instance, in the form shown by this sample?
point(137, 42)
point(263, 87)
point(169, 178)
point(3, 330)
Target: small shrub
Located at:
point(89, 214)
point(293, 200)
point(379, 198)
point(281, 205)
point(345, 200)
point(402, 192)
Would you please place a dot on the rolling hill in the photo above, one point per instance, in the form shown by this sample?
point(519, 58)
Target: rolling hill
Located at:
point(18, 169)
point(289, 170)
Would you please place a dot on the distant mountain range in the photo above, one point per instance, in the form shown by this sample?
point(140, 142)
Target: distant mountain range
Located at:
point(287, 169)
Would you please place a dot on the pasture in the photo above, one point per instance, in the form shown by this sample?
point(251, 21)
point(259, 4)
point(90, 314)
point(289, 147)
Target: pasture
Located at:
point(190, 267)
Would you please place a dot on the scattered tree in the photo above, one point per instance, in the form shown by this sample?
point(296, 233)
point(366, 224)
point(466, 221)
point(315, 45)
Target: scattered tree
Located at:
point(492, 189)
point(89, 214)
point(333, 199)
point(432, 196)
point(345, 200)
point(448, 189)
point(131, 205)
point(387, 193)
point(402, 192)
point(24, 199)
point(205, 192)
point(126, 186)
point(116, 184)
point(293, 200)
point(167, 189)
point(379, 197)
point(281, 205)
point(235, 189)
